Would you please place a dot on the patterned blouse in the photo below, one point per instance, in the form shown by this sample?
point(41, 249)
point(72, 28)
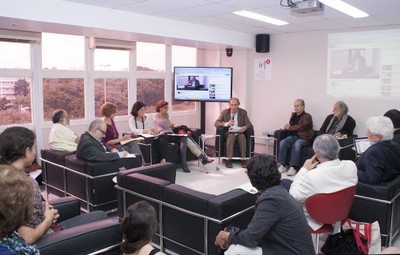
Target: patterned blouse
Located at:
point(16, 244)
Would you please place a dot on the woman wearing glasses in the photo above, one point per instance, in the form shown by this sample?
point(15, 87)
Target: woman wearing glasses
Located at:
point(164, 126)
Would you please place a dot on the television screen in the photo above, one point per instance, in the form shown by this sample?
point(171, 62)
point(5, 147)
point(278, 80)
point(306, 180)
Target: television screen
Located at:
point(212, 84)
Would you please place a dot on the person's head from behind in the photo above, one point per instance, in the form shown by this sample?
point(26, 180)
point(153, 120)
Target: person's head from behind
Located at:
point(60, 116)
point(98, 129)
point(234, 104)
point(108, 110)
point(340, 108)
point(380, 128)
point(326, 147)
point(263, 172)
point(394, 116)
point(299, 106)
point(15, 199)
point(17, 146)
point(162, 106)
point(138, 227)
point(138, 109)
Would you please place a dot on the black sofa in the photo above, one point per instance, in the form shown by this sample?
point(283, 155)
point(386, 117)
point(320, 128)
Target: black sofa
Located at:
point(102, 236)
point(189, 220)
point(379, 203)
point(89, 181)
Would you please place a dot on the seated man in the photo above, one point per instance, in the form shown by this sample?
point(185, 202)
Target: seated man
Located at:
point(338, 123)
point(380, 162)
point(237, 118)
point(394, 116)
point(323, 173)
point(91, 146)
point(301, 133)
point(278, 225)
point(61, 137)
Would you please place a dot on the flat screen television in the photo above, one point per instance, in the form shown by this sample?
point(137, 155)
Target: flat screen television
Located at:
point(210, 84)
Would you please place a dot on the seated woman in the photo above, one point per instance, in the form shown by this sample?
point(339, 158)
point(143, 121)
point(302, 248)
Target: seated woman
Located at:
point(140, 123)
point(163, 126)
point(278, 225)
point(338, 123)
point(112, 138)
point(139, 227)
point(18, 149)
point(15, 210)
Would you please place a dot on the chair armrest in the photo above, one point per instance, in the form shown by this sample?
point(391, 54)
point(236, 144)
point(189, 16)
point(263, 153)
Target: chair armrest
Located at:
point(68, 207)
point(83, 239)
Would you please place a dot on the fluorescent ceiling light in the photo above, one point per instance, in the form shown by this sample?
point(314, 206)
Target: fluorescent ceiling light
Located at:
point(345, 8)
point(260, 17)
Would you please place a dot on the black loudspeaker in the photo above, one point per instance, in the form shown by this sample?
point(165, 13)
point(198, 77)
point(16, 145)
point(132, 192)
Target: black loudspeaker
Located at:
point(262, 43)
point(229, 52)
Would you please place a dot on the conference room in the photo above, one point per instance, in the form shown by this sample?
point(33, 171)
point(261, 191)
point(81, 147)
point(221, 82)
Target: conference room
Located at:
point(79, 54)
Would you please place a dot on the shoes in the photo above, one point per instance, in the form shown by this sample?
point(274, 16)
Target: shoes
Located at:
point(228, 163)
point(205, 160)
point(282, 169)
point(292, 171)
point(185, 168)
point(244, 163)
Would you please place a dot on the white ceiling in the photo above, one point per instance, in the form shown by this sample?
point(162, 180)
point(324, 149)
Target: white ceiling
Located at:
point(218, 13)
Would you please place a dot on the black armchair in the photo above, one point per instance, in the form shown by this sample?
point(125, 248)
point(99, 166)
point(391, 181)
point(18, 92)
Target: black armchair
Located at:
point(221, 139)
point(103, 235)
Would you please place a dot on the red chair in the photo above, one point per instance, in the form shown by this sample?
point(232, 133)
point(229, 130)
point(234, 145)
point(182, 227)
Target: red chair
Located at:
point(330, 209)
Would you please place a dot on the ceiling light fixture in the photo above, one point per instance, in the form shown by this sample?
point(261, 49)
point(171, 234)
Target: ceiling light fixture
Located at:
point(345, 8)
point(256, 16)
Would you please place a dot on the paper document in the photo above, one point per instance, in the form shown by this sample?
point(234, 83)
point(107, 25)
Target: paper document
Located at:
point(35, 173)
point(130, 156)
point(248, 187)
point(148, 135)
point(234, 130)
point(131, 139)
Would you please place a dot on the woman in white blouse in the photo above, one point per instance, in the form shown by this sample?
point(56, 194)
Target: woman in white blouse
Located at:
point(140, 123)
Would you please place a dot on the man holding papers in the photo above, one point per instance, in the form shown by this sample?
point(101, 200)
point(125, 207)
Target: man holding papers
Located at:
point(237, 120)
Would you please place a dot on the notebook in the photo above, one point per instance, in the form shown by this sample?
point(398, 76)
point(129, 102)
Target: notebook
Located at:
point(362, 144)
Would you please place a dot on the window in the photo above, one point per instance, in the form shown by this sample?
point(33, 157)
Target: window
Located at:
point(15, 100)
point(15, 55)
point(150, 91)
point(64, 93)
point(113, 90)
point(183, 56)
point(150, 57)
point(63, 52)
point(111, 60)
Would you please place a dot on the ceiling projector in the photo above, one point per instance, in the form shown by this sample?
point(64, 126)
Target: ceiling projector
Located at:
point(307, 6)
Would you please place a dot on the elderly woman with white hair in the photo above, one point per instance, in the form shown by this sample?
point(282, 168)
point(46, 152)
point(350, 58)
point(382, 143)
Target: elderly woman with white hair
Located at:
point(339, 122)
point(380, 163)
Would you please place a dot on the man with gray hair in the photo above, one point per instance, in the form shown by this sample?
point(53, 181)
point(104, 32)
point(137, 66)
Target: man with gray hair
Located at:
point(323, 173)
point(338, 123)
point(92, 147)
point(61, 137)
point(380, 163)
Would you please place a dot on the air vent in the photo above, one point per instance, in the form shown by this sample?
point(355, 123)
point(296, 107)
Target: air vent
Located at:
point(20, 36)
point(111, 44)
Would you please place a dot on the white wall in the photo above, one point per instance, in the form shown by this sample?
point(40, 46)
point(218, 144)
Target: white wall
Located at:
point(299, 71)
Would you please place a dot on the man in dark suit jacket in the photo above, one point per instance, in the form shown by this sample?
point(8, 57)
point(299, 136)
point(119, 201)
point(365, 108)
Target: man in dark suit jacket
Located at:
point(339, 123)
point(91, 146)
point(380, 162)
point(237, 119)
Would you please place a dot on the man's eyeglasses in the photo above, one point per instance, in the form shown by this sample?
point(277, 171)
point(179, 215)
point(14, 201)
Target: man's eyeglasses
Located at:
point(104, 132)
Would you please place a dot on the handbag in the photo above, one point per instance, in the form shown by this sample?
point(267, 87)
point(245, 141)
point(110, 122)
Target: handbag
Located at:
point(371, 232)
point(343, 243)
point(182, 129)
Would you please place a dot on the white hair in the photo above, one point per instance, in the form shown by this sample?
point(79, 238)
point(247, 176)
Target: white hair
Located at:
point(381, 126)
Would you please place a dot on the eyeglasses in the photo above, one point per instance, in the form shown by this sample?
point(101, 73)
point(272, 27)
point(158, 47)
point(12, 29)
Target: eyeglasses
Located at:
point(102, 131)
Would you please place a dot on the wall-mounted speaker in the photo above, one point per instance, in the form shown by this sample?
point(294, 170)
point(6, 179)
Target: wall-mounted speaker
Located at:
point(229, 52)
point(262, 43)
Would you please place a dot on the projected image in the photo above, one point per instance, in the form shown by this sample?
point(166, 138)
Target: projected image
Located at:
point(364, 64)
point(192, 83)
point(355, 63)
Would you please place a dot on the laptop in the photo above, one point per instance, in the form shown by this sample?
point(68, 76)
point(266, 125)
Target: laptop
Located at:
point(361, 144)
